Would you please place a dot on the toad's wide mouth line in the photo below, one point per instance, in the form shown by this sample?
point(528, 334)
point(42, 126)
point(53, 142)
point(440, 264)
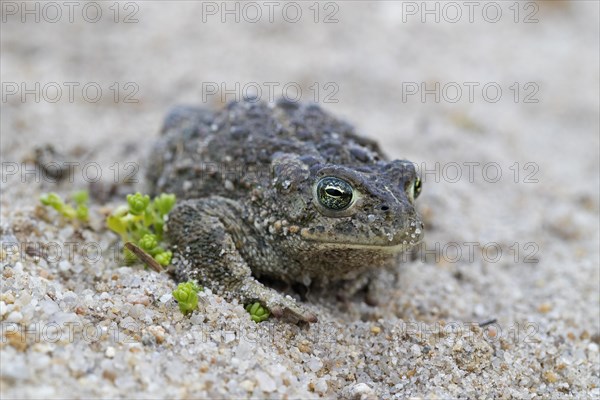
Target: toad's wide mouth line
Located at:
point(398, 245)
point(392, 248)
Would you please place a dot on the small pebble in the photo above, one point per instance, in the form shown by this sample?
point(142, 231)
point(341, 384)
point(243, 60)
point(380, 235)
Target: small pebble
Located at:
point(362, 391)
point(14, 316)
point(64, 265)
point(315, 364)
point(158, 332)
point(415, 349)
point(165, 298)
point(110, 352)
point(265, 382)
point(247, 385)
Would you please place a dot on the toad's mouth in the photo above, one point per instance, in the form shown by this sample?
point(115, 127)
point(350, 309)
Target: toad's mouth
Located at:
point(397, 243)
point(394, 248)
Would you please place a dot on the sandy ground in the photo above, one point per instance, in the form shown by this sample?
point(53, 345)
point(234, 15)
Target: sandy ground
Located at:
point(517, 250)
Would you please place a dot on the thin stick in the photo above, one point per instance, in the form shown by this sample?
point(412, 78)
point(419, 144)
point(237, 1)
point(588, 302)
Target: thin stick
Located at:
point(145, 257)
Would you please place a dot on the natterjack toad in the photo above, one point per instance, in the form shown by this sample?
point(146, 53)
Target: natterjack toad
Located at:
point(283, 191)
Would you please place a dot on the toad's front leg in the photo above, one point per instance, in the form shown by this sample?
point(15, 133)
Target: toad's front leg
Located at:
point(201, 230)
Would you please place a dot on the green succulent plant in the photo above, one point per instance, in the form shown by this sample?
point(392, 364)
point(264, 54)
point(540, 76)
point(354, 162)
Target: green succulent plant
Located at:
point(141, 222)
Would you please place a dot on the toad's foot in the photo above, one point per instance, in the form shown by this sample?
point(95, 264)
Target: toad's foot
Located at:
point(204, 232)
point(281, 306)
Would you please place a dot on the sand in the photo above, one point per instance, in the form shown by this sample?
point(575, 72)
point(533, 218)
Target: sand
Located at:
point(502, 299)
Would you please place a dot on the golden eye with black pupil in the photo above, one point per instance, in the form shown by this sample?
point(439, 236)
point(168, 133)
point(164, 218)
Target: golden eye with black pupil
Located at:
point(334, 193)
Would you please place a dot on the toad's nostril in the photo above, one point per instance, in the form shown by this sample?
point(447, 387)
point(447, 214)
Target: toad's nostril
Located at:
point(384, 208)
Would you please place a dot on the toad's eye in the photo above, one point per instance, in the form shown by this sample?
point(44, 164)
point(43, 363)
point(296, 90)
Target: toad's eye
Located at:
point(415, 189)
point(334, 193)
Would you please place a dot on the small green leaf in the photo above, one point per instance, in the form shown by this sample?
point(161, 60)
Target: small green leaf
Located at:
point(258, 313)
point(53, 200)
point(68, 211)
point(148, 243)
point(164, 203)
point(164, 258)
point(80, 197)
point(158, 228)
point(116, 224)
point(137, 203)
point(82, 212)
point(186, 295)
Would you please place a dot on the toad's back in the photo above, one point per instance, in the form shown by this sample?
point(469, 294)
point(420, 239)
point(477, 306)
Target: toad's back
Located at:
point(229, 152)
